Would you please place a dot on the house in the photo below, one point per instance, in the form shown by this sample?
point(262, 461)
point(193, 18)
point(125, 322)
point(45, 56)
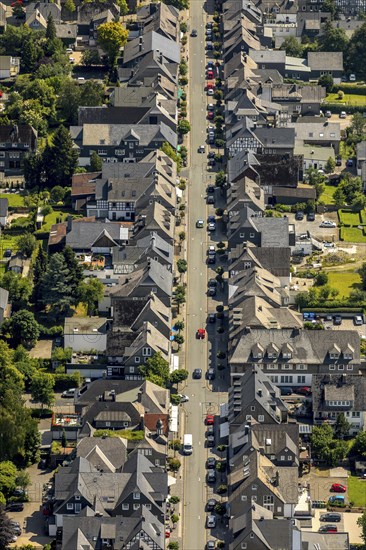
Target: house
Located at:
point(314, 157)
point(45, 9)
point(152, 70)
point(136, 49)
point(341, 393)
point(9, 66)
point(361, 162)
point(322, 63)
point(120, 142)
point(110, 452)
point(19, 265)
point(245, 192)
point(291, 357)
point(289, 195)
point(276, 260)
point(3, 23)
point(155, 219)
point(5, 307)
point(16, 141)
point(85, 334)
point(36, 21)
point(317, 131)
point(127, 258)
point(244, 136)
point(4, 203)
point(83, 189)
point(253, 398)
point(256, 282)
point(159, 18)
point(68, 423)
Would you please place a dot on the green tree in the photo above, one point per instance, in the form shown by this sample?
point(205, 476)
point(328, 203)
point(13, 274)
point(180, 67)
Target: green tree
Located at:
point(183, 126)
point(30, 56)
point(326, 80)
point(122, 4)
point(180, 295)
point(57, 194)
point(330, 165)
point(75, 273)
point(18, 10)
point(341, 427)
point(92, 291)
point(56, 290)
point(39, 270)
point(42, 389)
point(23, 479)
point(69, 100)
point(179, 325)
point(182, 265)
point(33, 169)
point(339, 197)
point(90, 57)
point(333, 39)
point(24, 328)
point(178, 376)
point(361, 522)
point(60, 159)
point(6, 530)
point(174, 464)
point(51, 28)
point(330, 6)
point(96, 162)
point(358, 125)
point(156, 369)
point(293, 47)
point(362, 273)
point(27, 244)
point(356, 52)
point(19, 288)
point(92, 93)
point(321, 279)
point(111, 37)
point(70, 6)
point(359, 446)
point(8, 476)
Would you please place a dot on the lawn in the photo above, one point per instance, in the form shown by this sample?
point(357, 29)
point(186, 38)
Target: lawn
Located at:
point(344, 282)
point(327, 195)
point(14, 199)
point(349, 218)
point(357, 491)
point(353, 235)
point(363, 216)
point(348, 99)
point(51, 219)
point(8, 241)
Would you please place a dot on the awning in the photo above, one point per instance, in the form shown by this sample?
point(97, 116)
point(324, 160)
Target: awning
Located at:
point(174, 363)
point(173, 420)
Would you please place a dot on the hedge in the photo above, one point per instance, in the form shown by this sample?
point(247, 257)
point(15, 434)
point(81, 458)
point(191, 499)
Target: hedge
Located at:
point(336, 108)
point(67, 381)
point(349, 89)
point(342, 309)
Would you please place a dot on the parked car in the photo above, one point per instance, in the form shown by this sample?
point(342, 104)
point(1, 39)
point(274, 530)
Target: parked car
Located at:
point(343, 114)
point(352, 77)
point(210, 441)
point(211, 223)
point(349, 163)
point(211, 318)
point(336, 499)
point(339, 160)
point(194, 33)
point(211, 476)
point(337, 320)
point(286, 390)
point(210, 373)
point(15, 507)
point(358, 320)
point(211, 522)
point(8, 253)
point(209, 46)
point(210, 91)
point(305, 390)
point(201, 334)
point(211, 545)
point(211, 463)
point(210, 74)
point(183, 398)
point(328, 114)
point(197, 373)
point(328, 223)
point(210, 199)
point(210, 115)
point(331, 516)
point(310, 217)
point(211, 155)
point(328, 529)
point(209, 420)
point(338, 488)
point(211, 503)
point(299, 215)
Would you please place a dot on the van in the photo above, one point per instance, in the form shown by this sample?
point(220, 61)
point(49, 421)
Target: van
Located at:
point(187, 444)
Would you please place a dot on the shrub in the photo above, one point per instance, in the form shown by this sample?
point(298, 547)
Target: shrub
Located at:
point(220, 330)
point(175, 399)
point(175, 444)
point(173, 545)
point(183, 27)
point(174, 464)
point(222, 489)
point(174, 499)
point(67, 381)
point(220, 355)
point(174, 518)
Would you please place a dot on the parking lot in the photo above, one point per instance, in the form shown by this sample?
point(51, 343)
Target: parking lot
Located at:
point(321, 233)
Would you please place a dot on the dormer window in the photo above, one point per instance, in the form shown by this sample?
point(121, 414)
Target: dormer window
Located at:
point(334, 355)
point(348, 355)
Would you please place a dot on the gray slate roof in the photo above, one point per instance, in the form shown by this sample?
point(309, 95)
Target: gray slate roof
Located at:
point(151, 41)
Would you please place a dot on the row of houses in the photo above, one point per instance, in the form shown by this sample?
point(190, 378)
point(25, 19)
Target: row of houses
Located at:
point(115, 491)
point(274, 132)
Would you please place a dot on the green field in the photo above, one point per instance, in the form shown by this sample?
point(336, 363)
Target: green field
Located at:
point(344, 282)
point(51, 219)
point(348, 99)
point(327, 195)
point(357, 491)
point(352, 235)
point(349, 218)
point(14, 199)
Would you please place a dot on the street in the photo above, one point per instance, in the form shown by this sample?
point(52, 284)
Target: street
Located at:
point(198, 352)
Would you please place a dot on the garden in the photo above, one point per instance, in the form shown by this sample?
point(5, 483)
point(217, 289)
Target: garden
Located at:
point(353, 226)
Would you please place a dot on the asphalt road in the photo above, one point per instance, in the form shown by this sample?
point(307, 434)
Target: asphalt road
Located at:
point(202, 400)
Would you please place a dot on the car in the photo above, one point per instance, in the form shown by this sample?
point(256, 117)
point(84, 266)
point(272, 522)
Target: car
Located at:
point(211, 218)
point(210, 74)
point(328, 529)
point(338, 160)
point(331, 516)
point(7, 253)
point(210, 374)
point(285, 390)
point(194, 33)
point(17, 531)
point(338, 488)
point(69, 393)
point(197, 374)
point(201, 334)
point(209, 25)
point(328, 114)
point(299, 215)
point(211, 259)
point(211, 476)
point(211, 463)
point(209, 45)
point(201, 148)
point(210, 441)
point(80, 80)
point(210, 189)
point(211, 140)
point(69, 50)
point(15, 523)
point(212, 318)
point(210, 66)
point(72, 60)
point(327, 223)
point(211, 226)
point(212, 282)
point(358, 320)
point(15, 507)
point(211, 249)
point(310, 217)
point(337, 320)
point(352, 77)
point(349, 163)
point(210, 91)
point(210, 106)
point(210, 430)
point(211, 503)
point(328, 245)
point(183, 398)
point(211, 155)
point(336, 499)
point(19, 492)
point(210, 115)
point(343, 114)
point(209, 420)
point(211, 522)
point(211, 545)
point(200, 224)
point(305, 390)
point(211, 291)
point(208, 31)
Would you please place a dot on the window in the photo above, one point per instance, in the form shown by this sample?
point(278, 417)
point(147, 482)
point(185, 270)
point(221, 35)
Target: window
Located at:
point(148, 506)
point(282, 457)
point(102, 151)
point(248, 417)
point(107, 424)
point(301, 379)
point(331, 367)
point(252, 235)
point(301, 367)
point(349, 367)
point(252, 535)
point(119, 152)
point(125, 506)
point(136, 496)
point(260, 418)
point(286, 379)
point(340, 367)
point(252, 408)
point(77, 497)
point(2, 163)
point(137, 359)
point(136, 506)
point(243, 546)
point(2, 154)
point(254, 487)
point(146, 352)
point(244, 498)
point(242, 235)
point(321, 134)
point(69, 506)
point(131, 145)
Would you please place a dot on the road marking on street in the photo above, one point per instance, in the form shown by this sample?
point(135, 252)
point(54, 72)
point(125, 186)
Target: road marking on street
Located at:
point(199, 479)
point(199, 517)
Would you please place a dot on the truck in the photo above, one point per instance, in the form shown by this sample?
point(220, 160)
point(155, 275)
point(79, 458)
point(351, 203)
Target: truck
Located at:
point(187, 444)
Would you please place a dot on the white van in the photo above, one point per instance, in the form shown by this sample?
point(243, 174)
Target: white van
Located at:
point(187, 444)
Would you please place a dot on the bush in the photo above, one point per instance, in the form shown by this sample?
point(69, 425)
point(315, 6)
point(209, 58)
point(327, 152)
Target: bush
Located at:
point(183, 27)
point(174, 499)
point(174, 464)
point(220, 355)
point(67, 381)
point(174, 518)
point(175, 399)
point(222, 489)
point(175, 444)
point(173, 545)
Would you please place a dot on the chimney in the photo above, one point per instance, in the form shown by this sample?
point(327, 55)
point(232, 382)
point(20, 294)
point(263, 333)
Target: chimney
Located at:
point(277, 482)
point(260, 393)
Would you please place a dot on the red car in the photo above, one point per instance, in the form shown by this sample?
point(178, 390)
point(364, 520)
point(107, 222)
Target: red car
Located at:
point(210, 420)
point(210, 74)
point(201, 334)
point(305, 390)
point(338, 488)
point(210, 115)
point(210, 85)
